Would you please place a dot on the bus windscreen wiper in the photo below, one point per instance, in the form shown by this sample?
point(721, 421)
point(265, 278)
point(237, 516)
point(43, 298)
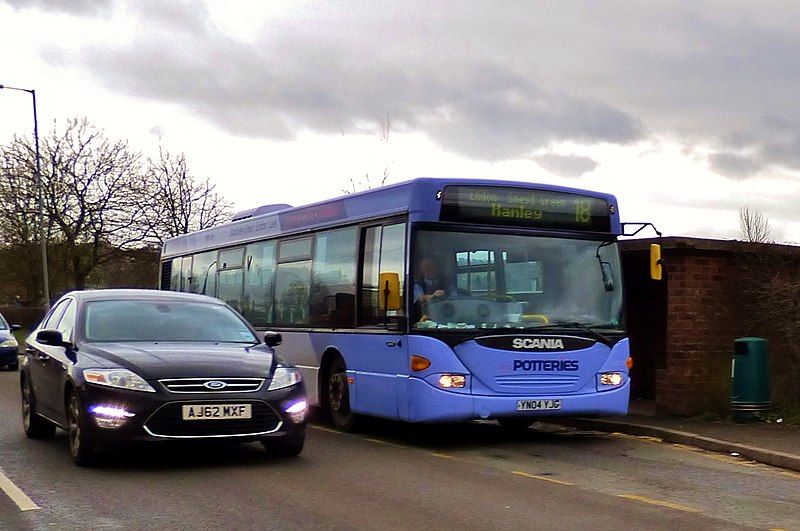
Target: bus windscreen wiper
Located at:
point(575, 324)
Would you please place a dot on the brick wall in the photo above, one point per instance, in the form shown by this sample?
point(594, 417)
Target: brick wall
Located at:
point(712, 295)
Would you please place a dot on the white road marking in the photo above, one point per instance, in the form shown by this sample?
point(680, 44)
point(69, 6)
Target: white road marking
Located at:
point(15, 493)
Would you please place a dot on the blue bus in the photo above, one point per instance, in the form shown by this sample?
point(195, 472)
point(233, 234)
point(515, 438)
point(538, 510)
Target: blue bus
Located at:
point(432, 300)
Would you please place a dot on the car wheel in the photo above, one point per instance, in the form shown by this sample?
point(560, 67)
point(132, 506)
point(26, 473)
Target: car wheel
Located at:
point(338, 397)
point(81, 448)
point(13, 367)
point(516, 424)
point(35, 426)
point(289, 446)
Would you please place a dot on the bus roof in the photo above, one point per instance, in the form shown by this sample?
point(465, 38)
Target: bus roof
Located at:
point(419, 198)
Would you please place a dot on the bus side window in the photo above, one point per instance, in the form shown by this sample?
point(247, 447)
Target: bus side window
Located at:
point(333, 286)
point(204, 274)
point(186, 274)
point(384, 252)
point(230, 279)
point(175, 275)
point(259, 276)
point(293, 282)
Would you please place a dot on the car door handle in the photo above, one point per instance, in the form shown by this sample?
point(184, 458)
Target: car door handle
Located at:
point(398, 343)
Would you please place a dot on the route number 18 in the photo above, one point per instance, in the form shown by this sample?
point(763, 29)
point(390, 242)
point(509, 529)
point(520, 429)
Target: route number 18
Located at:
point(583, 211)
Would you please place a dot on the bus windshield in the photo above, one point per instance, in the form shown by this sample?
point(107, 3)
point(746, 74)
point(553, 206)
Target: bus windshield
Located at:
point(466, 280)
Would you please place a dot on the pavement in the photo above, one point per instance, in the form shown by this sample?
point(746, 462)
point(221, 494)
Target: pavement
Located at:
point(776, 444)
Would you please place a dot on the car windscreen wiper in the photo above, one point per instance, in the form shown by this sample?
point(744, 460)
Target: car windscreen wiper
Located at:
point(575, 324)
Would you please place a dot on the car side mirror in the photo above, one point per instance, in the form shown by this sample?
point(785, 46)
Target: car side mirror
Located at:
point(272, 339)
point(15, 327)
point(52, 338)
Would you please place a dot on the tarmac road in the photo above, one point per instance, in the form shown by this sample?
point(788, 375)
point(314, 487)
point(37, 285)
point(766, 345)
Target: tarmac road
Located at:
point(392, 476)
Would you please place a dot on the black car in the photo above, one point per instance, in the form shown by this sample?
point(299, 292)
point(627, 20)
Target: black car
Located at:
point(114, 366)
point(9, 355)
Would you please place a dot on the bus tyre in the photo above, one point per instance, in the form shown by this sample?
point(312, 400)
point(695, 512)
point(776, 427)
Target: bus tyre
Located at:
point(515, 424)
point(338, 397)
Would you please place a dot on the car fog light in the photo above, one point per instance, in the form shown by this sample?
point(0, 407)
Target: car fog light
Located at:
point(110, 417)
point(297, 411)
point(610, 378)
point(449, 381)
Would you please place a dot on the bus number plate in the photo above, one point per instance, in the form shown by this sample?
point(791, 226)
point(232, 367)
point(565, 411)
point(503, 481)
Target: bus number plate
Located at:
point(536, 405)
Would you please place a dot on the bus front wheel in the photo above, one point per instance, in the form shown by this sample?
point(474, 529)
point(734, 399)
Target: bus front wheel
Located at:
point(338, 397)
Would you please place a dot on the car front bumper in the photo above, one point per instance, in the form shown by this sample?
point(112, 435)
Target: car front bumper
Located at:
point(156, 417)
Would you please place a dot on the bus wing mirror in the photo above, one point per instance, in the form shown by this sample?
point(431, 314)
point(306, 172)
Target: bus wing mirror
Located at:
point(656, 263)
point(389, 291)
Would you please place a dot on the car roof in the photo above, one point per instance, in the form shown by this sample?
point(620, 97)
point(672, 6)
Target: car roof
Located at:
point(139, 294)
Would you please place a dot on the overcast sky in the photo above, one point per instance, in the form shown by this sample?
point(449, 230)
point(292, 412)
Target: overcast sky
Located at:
point(687, 111)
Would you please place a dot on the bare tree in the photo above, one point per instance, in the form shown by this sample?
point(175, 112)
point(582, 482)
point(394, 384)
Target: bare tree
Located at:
point(357, 185)
point(175, 202)
point(754, 226)
point(19, 223)
point(87, 193)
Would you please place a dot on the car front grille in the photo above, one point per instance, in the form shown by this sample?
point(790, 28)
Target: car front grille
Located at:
point(167, 421)
point(212, 385)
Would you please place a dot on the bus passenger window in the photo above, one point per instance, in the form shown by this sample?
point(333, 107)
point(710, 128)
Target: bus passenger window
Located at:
point(259, 273)
point(292, 286)
point(333, 288)
point(230, 277)
point(204, 274)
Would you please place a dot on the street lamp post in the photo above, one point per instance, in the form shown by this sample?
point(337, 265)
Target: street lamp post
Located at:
point(40, 194)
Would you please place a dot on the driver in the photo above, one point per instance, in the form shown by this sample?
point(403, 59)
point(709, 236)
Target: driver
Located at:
point(430, 284)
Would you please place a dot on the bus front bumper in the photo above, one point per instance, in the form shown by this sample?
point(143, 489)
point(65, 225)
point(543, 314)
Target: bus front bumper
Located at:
point(429, 404)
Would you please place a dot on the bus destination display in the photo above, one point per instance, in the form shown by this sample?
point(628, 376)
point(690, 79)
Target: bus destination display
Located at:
point(521, 207)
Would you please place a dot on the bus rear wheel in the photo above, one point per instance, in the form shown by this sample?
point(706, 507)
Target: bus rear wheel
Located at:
point(338, 397)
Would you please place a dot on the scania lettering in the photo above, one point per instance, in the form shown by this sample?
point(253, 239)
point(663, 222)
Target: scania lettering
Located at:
point(538, 343)
point(432, 300)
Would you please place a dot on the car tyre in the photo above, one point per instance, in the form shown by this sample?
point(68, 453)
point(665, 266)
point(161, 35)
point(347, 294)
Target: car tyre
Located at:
point(517, 425)
point(35, 426)
point(289, 446)
point(338, 397)
point(81, 447)
point(14, 367)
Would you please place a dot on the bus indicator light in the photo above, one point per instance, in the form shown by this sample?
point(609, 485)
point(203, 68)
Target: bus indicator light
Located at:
point(419, 363)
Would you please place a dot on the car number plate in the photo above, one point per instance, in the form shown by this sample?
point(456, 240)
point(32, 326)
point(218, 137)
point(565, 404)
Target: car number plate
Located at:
point(536, 405)
point(217, 411)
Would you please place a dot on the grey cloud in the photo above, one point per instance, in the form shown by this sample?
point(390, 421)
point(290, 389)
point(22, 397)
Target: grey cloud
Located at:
point(70, 7)
point(733, 165)
point(566, 165)
point(492, 81)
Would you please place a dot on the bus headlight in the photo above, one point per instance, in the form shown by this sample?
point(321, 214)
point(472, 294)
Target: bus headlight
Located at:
point(611, 379)
point(451, 381)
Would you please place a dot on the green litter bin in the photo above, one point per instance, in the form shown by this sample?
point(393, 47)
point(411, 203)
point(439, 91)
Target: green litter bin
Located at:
point(750, 375)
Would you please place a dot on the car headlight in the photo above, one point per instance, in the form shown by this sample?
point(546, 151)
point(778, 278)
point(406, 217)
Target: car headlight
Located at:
point(285, 377)
point(120, 378)
point(10, 342)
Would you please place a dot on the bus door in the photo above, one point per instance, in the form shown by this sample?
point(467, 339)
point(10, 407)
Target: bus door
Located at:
point(377, 359)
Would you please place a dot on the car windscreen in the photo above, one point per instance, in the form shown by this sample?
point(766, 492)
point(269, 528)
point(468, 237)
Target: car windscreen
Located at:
point(3, 323)
point(163, 320)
